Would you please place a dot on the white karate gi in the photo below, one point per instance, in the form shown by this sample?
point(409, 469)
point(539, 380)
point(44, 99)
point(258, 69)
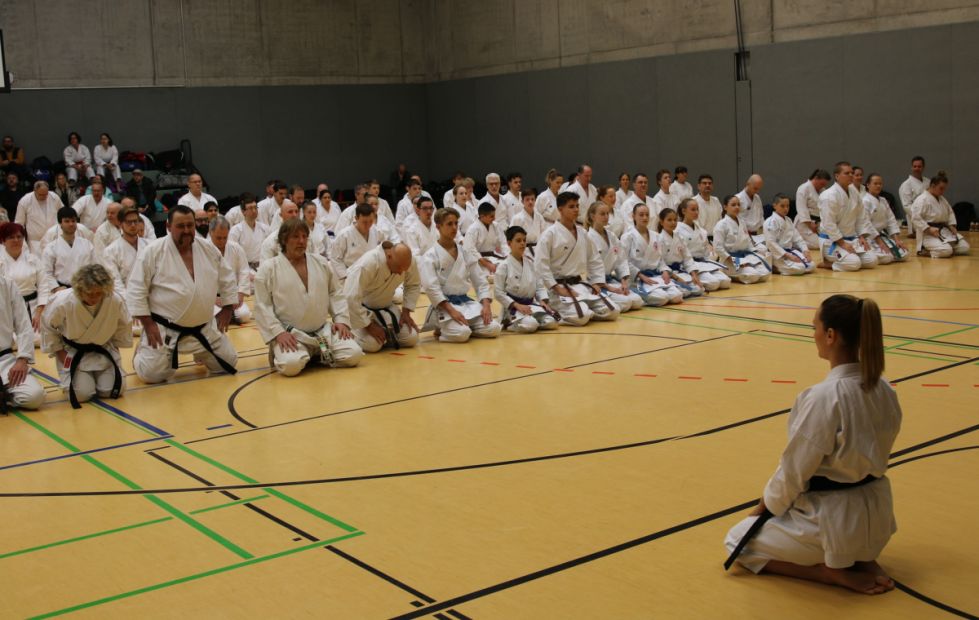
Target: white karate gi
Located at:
point(109, 327)
point(502, 213)
point(752, 213)
point(371, 286)
point(234, 215)
point(267, 208)
point(149, 233)
point(710, 212)
point(106, 155)
point(448, 198)
point(842, 216)
point(37, 217)
point(660, 201)
point(546, 205)
point(518, 279)
point(15, 327)
point(533, 224)
point(622, 196)
point(840, 432)
point(782, 239)
point(512, 205)
point(195, 203)
point(283, 304)
point(733, 243)
point(161, 284)
point(679, 191)
point(382, 224)
point(467, 217)
point(881, 227)
point(616, 267)
point(120, 258)
point(928, 210)
point(105, 234)
point(806, 212)
point(677, 257)
point(647, 256)
point(91, 213)
point(628, 208)
point(563, 255)
point(419, 237)
point(908, 193)
point(76, 155)
point(442, 277)
point(319, 241)
point(27, 272)
point(710, 272)
point(487, 242)
point(250, 239)
point(406, 210)
point(61, 260)
point(349, 245)
point(54, 233)
point(234, 255)
point(384, 210)
point(585, 198)
point(328, 218)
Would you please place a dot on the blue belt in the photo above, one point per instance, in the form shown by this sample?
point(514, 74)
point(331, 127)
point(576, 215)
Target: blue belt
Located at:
point(832, 246)
point(737, 255)
point(458, 300)
point(651, 273)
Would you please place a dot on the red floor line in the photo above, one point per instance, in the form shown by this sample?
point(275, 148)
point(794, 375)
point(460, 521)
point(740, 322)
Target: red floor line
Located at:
point(783, 381)
point(935, 385)
point(490, 363)
point(398, 354)
point(525, 366)
point(563, 370)
point(425, 357)
point(734, 379)
point(601, 372)
point(640, 374)
point(456, 360)
point(691, 378)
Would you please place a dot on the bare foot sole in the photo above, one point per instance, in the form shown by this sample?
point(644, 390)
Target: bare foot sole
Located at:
point(858, 581)
point(877, 571)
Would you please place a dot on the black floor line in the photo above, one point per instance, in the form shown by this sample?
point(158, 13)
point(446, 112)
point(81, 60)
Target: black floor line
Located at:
point(927, 599)
point(448, 391)
point(297, 530)
point(491, 464)
point(635, 542)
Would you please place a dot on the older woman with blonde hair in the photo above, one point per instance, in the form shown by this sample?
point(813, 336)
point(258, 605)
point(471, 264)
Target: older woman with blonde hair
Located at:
point(84, 327)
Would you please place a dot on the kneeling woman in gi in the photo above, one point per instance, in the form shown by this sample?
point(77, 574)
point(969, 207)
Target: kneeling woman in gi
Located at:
point(651, 276)
point(447, 272)
point(294, 293)
point(827, 512)
point(84, 327)
point(735, 249)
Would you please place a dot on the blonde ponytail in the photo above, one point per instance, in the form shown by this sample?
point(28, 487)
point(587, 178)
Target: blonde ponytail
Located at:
point(871, 344)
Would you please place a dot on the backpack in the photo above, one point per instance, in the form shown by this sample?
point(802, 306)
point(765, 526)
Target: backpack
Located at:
point(169, 160)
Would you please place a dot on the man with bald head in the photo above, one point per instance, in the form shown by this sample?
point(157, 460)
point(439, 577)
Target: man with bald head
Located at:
point(270, 247)
point(752, 209)
point(370, 289)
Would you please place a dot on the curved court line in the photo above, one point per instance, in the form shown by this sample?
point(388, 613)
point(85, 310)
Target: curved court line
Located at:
point(635, 542)
point(457, 389)
point(231, 399)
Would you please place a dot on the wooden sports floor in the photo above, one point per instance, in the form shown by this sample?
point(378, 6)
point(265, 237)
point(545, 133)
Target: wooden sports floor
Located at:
point(584, 473)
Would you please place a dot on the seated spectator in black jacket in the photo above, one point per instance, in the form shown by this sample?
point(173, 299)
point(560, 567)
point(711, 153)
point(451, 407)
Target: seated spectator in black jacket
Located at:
point(11, 157)
point(141, 189)
point(11, 194)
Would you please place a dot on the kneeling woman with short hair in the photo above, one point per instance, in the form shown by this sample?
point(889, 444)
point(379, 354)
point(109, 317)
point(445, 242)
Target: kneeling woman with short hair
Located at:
point(84, 327)
point(827, 512)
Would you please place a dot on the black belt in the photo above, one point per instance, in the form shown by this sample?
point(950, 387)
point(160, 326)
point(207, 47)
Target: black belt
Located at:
point(815, 218)
point(62, 284)
point(390, 329)
point(80, 350)
point(816, 483)
point(490, 255)
point(195, 332)
point(568, 281)
point(254, 265)
point(27, 301)
point(3, 387)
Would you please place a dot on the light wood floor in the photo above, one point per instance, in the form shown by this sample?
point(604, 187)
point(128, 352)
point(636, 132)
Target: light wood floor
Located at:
point(584, 473)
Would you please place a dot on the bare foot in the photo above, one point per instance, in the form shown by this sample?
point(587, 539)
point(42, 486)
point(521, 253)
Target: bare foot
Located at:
point(825, 265)
point(877, 571)
point(858, 581)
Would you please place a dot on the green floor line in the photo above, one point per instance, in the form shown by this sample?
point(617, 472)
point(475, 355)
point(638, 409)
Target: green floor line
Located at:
point(295, 502)
point(67, 541)
point(124, 528)
point(958, 331)
point(898, 345)
point(209, 573)
point(172, 510)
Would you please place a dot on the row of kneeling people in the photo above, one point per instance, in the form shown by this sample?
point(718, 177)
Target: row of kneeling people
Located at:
point(570, 276)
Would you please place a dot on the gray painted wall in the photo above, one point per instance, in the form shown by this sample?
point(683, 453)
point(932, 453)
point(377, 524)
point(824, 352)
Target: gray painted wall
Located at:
point(241, 137)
